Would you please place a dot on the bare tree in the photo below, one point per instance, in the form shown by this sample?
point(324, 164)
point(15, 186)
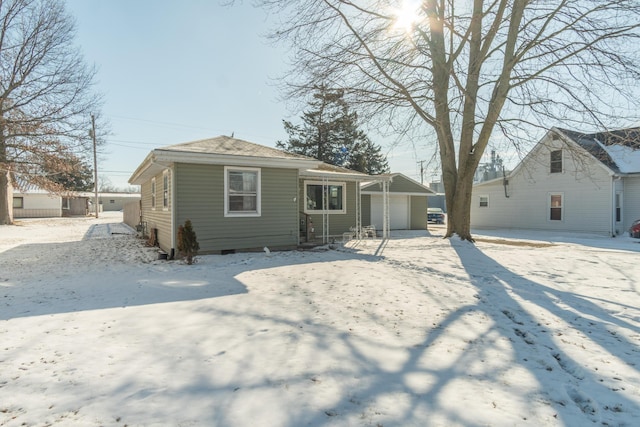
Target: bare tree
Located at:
point(469, 71)
point(45, 96)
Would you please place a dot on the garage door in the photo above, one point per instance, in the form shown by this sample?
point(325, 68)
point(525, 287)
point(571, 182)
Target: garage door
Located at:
point(398, 212)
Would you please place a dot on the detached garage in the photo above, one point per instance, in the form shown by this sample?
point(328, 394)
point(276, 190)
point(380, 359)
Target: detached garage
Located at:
point(407, 203)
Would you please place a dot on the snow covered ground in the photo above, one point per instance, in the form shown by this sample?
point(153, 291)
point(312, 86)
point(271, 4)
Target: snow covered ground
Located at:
point(526, 330)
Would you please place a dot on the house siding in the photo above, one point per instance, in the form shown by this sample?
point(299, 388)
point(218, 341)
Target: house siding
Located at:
point(158, 218)
point(585, 185)
point(418, 213)
point(200, 198)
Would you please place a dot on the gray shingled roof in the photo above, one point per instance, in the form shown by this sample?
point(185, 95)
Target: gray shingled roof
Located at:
point(225, 145)
point(594, 142)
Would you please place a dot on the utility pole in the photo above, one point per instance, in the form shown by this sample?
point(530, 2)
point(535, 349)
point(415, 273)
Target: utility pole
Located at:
point(421, 162)
point(92, 132)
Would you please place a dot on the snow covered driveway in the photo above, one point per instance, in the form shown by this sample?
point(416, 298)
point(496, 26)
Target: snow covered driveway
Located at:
point(414, 331)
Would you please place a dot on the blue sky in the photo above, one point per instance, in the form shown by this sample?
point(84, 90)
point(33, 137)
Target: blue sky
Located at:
point(173, 72)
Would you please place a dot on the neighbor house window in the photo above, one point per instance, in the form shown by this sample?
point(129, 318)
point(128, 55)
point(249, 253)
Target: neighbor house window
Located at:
point(555, 207)
point(618, 207)
point(484, 201)
point(65, 203)
point(556, 161)
point(112, 201)
point(18, 202)
point(242, 191)
point(153, 193)
point(165, 190)
point(321, 197)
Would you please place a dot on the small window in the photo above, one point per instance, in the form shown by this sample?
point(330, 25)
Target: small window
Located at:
point(241, 192)
point(153, 193)
point(111, 201)
point(618, 207)
point(65, 203)
point(320, 197)
point(165, 189)
point(556, 161)
point(18, 202)
point(555, 207)
point(484, 201)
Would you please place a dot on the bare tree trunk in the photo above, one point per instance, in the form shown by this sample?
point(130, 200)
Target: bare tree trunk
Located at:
point(6, 195)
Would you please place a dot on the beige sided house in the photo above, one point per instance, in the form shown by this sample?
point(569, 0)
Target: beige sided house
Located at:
point(243, 196)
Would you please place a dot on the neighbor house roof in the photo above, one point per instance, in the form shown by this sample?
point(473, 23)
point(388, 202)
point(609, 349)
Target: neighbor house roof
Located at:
point(221, 150)
point(619, 150)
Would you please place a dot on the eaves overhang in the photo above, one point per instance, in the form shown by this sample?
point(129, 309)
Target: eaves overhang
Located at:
point(160, 159)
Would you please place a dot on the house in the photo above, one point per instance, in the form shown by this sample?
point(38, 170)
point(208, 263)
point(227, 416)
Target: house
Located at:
point(116, 201)
point(570, 181)
point(34, 202)
point(243, 196)
point(407, 203)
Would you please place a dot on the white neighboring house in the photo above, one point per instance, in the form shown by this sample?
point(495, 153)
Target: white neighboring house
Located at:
point(570, 181)
point(34, 202)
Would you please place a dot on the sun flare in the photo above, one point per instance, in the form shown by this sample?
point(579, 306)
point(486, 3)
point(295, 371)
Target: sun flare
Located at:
point(406, 15)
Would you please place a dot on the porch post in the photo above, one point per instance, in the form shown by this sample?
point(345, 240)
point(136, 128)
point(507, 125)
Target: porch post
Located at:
point(385, 210)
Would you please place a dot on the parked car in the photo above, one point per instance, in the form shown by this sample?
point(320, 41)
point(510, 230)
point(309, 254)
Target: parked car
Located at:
point(634, 230)
point(435, 215)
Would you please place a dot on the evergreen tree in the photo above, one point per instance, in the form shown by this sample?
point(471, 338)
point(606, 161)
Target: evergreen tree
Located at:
point(187, 242)
point(329, 132)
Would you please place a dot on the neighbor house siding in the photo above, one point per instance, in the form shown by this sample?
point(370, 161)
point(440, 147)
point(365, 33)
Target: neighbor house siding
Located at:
point(158, 218)
point(38, 206)
point(200, 198)
point(585, 185)
point(418, 212)
point(338, 223)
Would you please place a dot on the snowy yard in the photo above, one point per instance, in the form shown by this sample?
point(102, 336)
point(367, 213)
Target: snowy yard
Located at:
point(415, 331)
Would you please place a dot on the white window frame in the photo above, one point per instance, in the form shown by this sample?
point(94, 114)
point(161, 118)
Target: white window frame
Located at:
point(165, 190)
point(549, 207)
point(480, 201)
point(153, 193)
point(328, 184)
point(247, 214)
point(561, 161)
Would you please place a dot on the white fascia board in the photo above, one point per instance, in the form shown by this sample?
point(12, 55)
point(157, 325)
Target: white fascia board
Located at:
point(314, 173)
point(165, 156)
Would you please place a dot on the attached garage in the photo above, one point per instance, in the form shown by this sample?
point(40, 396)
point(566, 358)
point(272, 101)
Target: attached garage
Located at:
point(407, 204)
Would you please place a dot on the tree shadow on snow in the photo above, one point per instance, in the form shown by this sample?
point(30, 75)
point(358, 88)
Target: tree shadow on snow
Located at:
point(582, 390)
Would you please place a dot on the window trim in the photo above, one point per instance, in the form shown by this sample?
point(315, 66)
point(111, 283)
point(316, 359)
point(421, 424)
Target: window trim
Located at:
point(555, 163)
point(247, 214)
point(66, 203)
point(21, 199)
point(328, 184)
point(165, 190)
point(549, 207)
point(480, 201)
point(153, 193)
